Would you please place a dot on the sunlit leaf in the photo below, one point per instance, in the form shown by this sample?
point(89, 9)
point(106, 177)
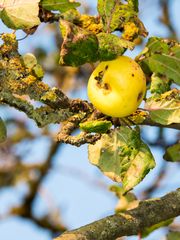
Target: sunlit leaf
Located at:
point(165, 108)
point(20, 14)
point(173, 153)
point(166, 65)
point(59, 5)
point(98, 126)
point(162, 57)
point(122, 156)
point(110, 12)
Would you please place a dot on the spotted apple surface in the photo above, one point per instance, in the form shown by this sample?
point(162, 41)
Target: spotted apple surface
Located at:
point(117, 87)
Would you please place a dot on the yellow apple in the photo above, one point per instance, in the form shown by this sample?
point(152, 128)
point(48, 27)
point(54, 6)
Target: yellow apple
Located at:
point(117, 87)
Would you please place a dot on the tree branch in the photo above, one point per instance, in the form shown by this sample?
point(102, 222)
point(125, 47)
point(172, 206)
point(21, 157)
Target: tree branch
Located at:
point(148, 213)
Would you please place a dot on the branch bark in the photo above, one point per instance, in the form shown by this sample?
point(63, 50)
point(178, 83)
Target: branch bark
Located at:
point(131, 222)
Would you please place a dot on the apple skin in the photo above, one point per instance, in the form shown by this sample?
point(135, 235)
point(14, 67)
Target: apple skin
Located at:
point(117, 87)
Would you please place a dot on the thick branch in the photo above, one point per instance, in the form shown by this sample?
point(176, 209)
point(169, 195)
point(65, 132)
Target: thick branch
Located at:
point(148, 213)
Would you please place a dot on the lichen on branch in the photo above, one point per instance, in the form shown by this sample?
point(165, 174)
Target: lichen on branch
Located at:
point(19, 84)
point(131, 222)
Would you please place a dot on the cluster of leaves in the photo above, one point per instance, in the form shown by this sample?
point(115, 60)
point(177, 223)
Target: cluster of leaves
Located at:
point(92, 34)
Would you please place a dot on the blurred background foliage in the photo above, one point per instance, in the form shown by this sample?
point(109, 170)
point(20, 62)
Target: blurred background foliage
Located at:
point(47, 187)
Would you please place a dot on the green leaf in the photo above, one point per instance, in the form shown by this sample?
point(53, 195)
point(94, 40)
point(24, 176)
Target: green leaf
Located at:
point(114, 14)
point(165, 108)
point(79, 46)
point(3, 131)
point(159, 84)
point(173, 236)
point(59, 5)
point(173, 153)
point(122, 156)
point(20, 14)
point(98, 126)
point(162, 57)
point(166, 65)
point(157, 45)
point(111, 46)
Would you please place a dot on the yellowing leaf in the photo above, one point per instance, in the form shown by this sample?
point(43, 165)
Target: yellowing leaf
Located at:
point(20, 14)
point(165, 108)
point(122, 156)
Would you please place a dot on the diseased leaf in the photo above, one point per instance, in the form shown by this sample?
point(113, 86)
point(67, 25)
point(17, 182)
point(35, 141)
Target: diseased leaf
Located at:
point(110, 12)
point(173, 236)
point(122, 156)
point(98, 126)
point(111, 46)
point(76, 39)
point(159, 84)
point(165, 108)
point(173, 153)
point(20, 14)
point(59, 5)
point(3, 131)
